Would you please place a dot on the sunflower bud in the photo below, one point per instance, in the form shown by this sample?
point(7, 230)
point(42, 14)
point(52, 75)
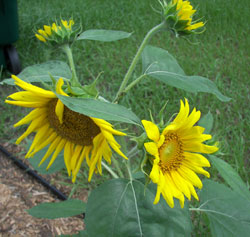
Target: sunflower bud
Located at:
point(179, 16)
point(60, 33)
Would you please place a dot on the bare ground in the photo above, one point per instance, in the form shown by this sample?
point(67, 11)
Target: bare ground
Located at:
point(19, 192)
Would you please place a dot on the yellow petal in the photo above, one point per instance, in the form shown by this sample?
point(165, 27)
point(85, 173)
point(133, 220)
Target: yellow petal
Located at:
point(196, 159)
point(155, 173)
point(38, 122)
point(41, 134)
point(59, 111)
point(51, 148)
point(47, 30)
point(196, 169)
point(36, 104)
point(180, 184)
point(31, 116)
point(41, 38)
point(190, 176)
point(199, 147)
point(152, 148)
point(56, 152)
point(67, 156)
point(151, 130)
point(36, 90)
point(59, 89)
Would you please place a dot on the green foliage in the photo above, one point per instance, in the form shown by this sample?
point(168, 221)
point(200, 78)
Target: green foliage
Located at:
point(121, 208)
point(100, 109)
point(103, 35)
point(42, 72)
point(53, 210)
point(230, 176)
point(159, 64)
point(227, 211)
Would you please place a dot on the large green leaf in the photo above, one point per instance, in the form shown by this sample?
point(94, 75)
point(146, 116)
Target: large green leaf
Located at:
point(207, 122)
point(161, 65)
point(34, 161)
point(228, 212)
point(53, 210)
point(99, 109)
point(119, 208)
point(103, 35)
point(230, 176)
point(41, 72)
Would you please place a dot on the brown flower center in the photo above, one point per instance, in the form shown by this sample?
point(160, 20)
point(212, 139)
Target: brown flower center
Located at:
point(171, 153)
point(77, 128)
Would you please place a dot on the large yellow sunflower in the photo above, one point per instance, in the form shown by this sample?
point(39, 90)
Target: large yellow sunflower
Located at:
point(185, 13)
point(80, 136)
point(176, 155)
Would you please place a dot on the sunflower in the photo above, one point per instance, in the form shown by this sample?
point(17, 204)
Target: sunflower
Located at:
point(176, 156)
point(185, 13)
point(56, 31)
point(61, 128)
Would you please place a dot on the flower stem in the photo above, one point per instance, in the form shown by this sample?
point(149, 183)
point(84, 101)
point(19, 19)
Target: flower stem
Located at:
point(74, 79)
point(133, 83)
point(110, 170)
point(129, 170)
point(118, 168)
point(136, 58)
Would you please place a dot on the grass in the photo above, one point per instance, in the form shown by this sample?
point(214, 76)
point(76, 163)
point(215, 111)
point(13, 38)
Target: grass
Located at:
point(221, 54)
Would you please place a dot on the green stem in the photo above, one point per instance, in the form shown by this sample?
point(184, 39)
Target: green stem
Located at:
point(110, 170)
point(117, 166)
point(129, 170)
point(136, 58)
point(74, 79)
point(133, 83)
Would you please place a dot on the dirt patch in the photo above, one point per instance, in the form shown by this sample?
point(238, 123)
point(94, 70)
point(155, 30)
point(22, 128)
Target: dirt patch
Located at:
point(19, 192)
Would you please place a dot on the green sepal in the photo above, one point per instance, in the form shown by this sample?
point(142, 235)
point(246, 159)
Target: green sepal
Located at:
point(91, 89)
point(140, 140)
point(146, 164)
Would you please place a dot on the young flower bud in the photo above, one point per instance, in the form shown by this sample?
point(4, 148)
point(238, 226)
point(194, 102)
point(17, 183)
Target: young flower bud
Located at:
point(179, 16)
point(60, 33)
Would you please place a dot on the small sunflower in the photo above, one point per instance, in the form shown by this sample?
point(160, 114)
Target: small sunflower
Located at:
point(56, 32)
point(56, 125)
point(176, 156)
point(179, 15)
point(185, 13)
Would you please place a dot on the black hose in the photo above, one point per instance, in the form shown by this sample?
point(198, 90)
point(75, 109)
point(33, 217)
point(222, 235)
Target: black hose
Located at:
point(33, 173)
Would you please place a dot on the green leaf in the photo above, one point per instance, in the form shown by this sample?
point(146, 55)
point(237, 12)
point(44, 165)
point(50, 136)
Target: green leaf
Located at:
point(159, 64)
point(34, 161)
point(207, 122)
point(100, 109)
point(41, 72)
point(103, 35)
point(228, 212)
point(53, 210)
point(230, 176)
point(119, 207)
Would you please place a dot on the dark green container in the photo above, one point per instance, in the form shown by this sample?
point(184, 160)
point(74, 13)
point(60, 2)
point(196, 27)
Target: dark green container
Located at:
point(8, 22)
point(9, 35)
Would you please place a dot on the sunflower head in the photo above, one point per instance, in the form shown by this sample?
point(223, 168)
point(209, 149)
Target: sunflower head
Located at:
point(175, 155)
point(179, 16)
point(55, 125)
point(58, 33)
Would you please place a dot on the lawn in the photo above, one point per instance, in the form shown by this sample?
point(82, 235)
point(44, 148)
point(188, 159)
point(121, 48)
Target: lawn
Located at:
point(221, 53)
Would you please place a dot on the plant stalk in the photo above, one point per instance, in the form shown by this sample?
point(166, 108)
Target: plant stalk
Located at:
point(136, 58)
point(110, 170)
point(74, 79)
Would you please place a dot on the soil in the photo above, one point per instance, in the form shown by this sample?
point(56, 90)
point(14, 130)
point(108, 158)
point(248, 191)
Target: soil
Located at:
point(19, 192)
